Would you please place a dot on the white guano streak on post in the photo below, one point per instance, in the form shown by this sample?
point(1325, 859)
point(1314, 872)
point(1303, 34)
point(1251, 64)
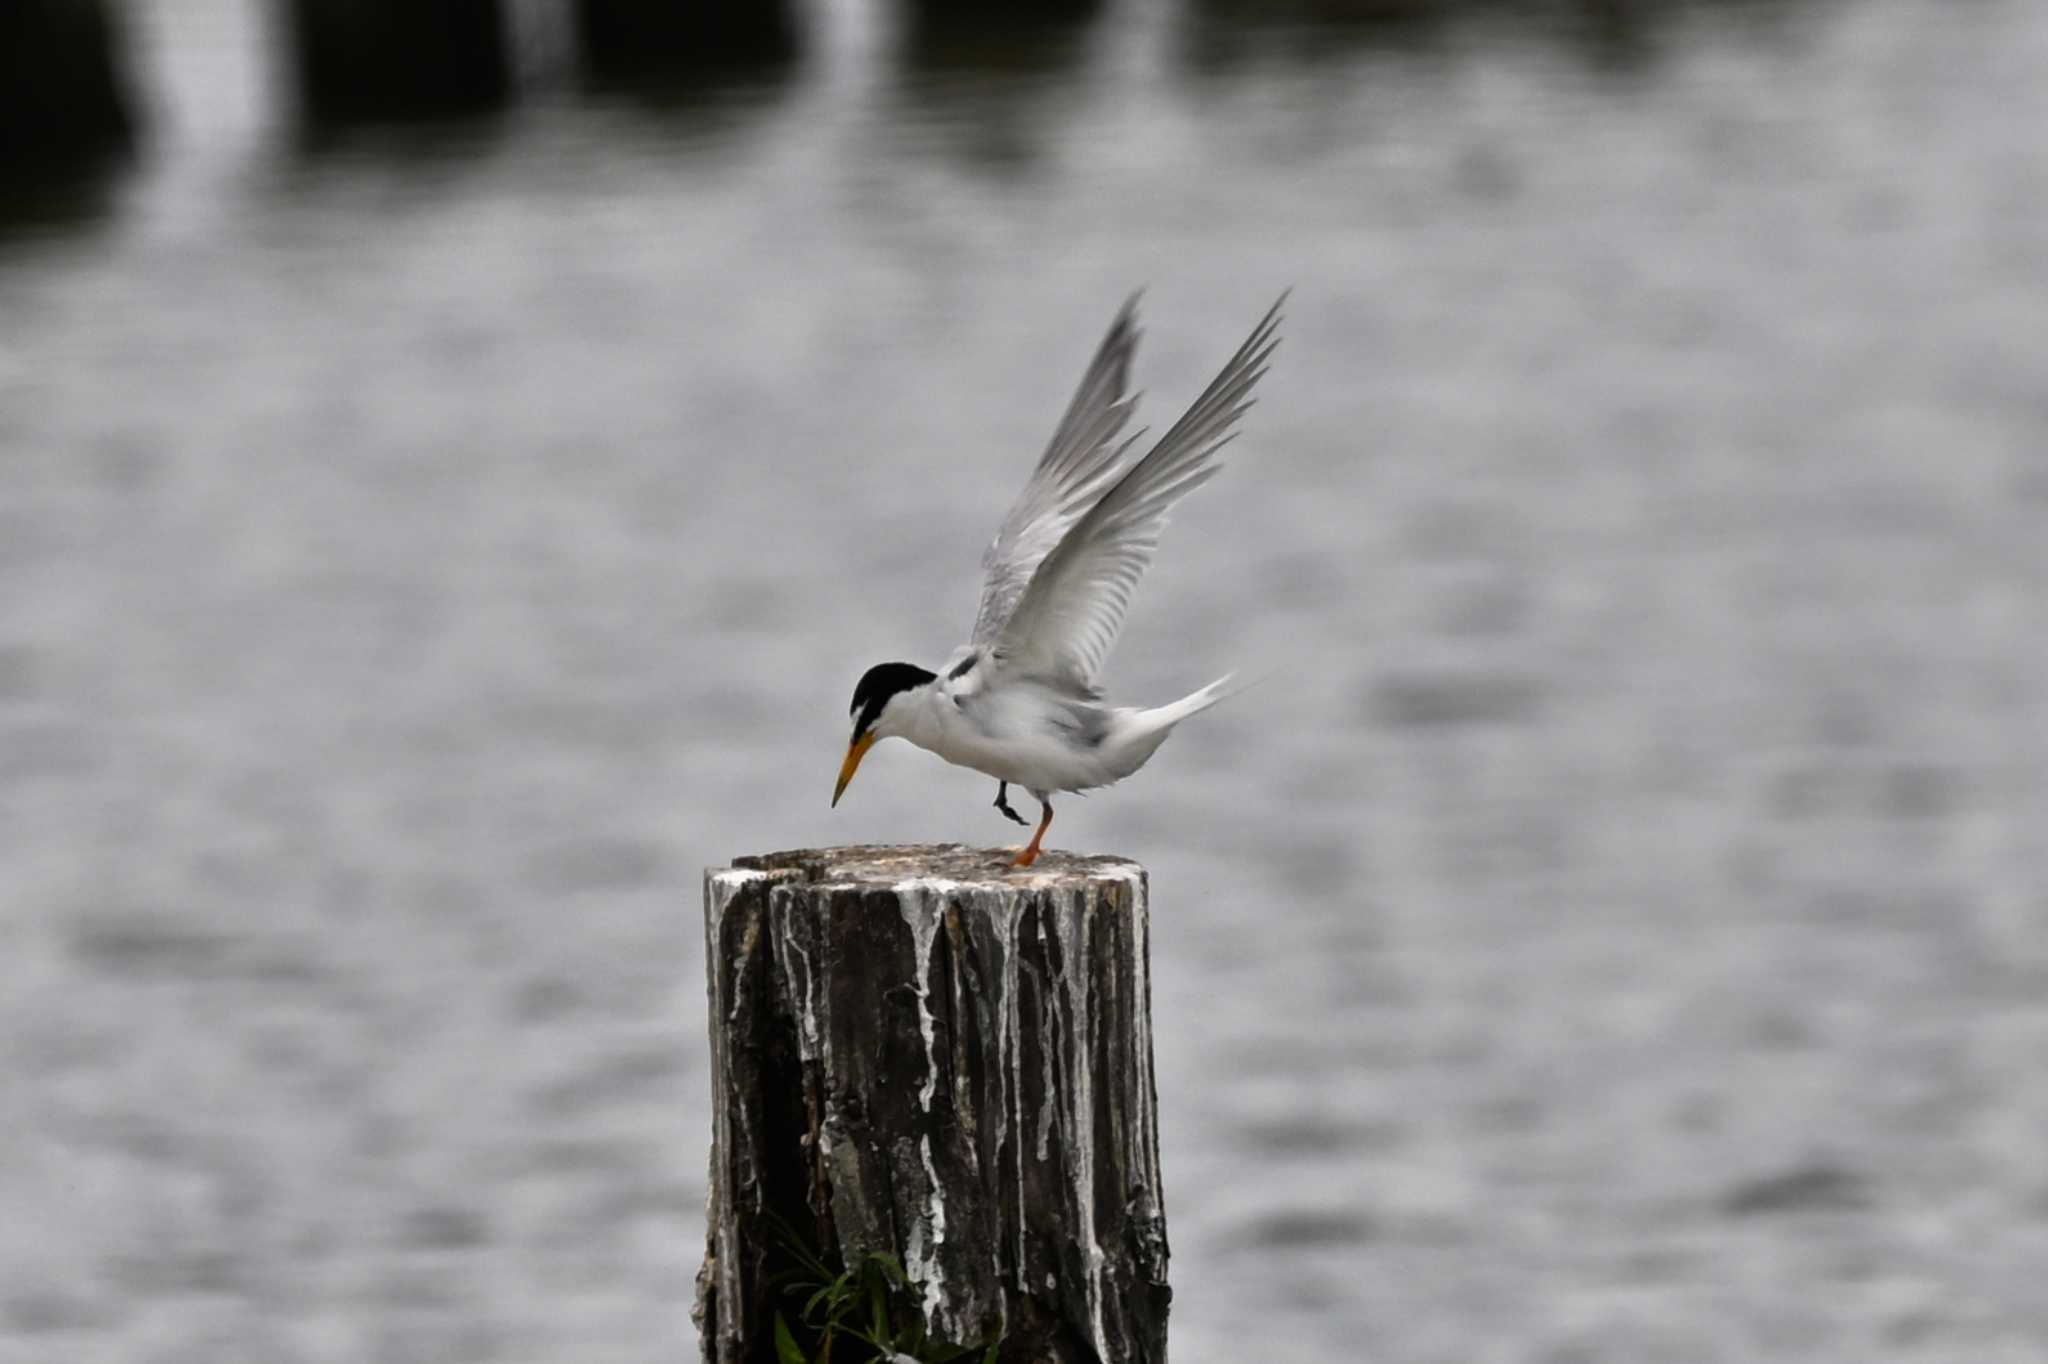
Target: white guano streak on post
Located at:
point(786, 942)
point(1142, 1139)
point(935, 1212)
point(1049, 1003)
point(1009, 1080)
point(1013, 1019)
point(720, 890)
point(921, 901)
point(1075, 910)
point(720, 887)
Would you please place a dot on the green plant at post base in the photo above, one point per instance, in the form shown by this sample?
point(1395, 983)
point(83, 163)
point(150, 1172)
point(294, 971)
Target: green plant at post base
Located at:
point(869, 1305)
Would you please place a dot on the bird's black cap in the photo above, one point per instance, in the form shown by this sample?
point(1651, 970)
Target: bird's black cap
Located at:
point(877, 685)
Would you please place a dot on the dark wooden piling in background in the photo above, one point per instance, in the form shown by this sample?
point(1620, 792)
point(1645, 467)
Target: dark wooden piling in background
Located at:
point(361, 60)
point(922, 1052)
point(64, 98)
point(1013, 14)
point(1023, 36)
point(650, 41)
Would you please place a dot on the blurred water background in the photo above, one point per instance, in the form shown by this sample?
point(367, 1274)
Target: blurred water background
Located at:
point(1616, 931)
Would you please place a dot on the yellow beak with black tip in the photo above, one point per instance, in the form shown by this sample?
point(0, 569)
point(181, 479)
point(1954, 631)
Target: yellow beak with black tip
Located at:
point(855, 751)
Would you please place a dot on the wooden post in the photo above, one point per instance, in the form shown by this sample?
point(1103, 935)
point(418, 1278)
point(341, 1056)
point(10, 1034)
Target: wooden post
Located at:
point(976, 36)
point(921, 1052)
point(648, 42)
point(387, 59)
point(63, 95)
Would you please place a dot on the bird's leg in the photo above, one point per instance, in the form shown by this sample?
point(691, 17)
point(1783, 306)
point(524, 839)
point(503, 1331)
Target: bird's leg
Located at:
point(1003, 803)
point(1031, 849)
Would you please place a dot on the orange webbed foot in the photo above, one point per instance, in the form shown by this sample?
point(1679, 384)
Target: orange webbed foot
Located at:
point(1032, 849)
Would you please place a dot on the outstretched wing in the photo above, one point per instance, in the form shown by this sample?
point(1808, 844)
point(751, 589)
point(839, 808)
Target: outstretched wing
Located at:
point(1069, 616)
point(1071, 474)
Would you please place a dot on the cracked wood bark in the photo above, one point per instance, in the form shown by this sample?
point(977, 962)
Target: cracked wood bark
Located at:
point(918, 1050)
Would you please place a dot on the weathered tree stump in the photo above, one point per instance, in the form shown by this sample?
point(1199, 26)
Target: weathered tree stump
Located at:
point(921, 1052)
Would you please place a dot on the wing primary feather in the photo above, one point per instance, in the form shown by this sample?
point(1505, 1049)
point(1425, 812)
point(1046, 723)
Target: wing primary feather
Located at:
point(1102, 385)
point(1079, 461)
point(1068, 616)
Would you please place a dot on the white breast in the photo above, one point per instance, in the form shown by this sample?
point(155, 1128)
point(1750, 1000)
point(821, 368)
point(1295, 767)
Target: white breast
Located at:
point(1010, 734)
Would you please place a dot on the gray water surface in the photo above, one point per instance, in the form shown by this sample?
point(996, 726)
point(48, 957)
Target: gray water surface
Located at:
point(1614, 931)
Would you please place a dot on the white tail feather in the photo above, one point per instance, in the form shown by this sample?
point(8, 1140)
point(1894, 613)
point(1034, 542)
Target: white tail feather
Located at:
point(1194, 703)
point(1140, 732)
